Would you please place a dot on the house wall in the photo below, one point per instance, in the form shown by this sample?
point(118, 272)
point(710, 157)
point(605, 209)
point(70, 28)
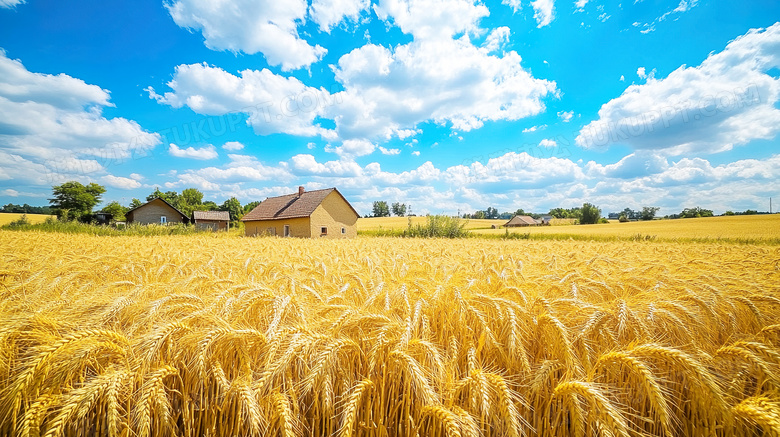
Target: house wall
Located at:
point(216, 225)
point(151, 213)
point(299, 227)
point(334, 213)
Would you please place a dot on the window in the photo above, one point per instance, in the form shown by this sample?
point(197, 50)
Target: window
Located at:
point(343, 231)
point(163, 220)
point(286, 230)
point(323, 231)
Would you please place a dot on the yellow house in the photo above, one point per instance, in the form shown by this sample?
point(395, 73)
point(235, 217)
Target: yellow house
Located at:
point(307, 214)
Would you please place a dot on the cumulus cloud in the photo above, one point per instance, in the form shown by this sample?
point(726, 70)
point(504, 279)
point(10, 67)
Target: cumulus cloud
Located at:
point(566, 116)
point(53, 125)
point(275, 104)
point(516, 5)
point(251, 26)
point(548, 143)
point(329, 13)
point(120, 182)
point(389, 151)
point(728, 100)
point(580, 5)
point(232, 146)
point(544, 12)
point(496, 39)
point(203, 154)
point(447, 81)
point(432, 19)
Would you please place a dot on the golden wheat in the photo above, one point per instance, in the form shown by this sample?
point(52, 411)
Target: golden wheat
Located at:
point(203, 335)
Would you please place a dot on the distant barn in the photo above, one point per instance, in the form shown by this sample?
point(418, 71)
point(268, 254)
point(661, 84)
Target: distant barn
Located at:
point(156, 211)
point(520, 221)
point(307, 214)
point(214, 220)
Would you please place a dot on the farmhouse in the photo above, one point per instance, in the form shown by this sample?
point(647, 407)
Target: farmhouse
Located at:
point(520, 220)
point(156, 211)
point(319, 213)
point(214, 220)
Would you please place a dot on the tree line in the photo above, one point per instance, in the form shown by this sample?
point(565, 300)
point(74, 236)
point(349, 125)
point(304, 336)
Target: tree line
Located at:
point(75, 201)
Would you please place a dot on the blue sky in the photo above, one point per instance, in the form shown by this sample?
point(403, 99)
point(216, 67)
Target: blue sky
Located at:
point(446, 105)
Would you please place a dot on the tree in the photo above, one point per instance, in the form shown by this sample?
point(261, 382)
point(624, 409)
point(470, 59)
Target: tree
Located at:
point(250, 206)
point(399, 209)
point(491, 213)
point(135, 203)
point(630, 214)
point(157, 193)
point(648, 212)
point(209, 206)
point(233, 206)
point(72, 200)
point(192, 196)
point(116, 210)
point(622, 218)
point(380, 209)
point(696, 212)
point(590, 214)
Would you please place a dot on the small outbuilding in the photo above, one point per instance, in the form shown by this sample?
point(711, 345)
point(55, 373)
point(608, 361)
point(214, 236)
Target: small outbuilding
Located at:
point(214, 220)
point(520, 221)
point(156, 211)
point(307, 214)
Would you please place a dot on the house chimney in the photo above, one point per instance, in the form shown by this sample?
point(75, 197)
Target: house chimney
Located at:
point(300, 190)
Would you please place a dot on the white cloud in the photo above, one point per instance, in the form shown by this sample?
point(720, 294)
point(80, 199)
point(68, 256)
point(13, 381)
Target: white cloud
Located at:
point(357, 147)
point(311, 146)
point(53, 124)
point(10, 3)
point(275, 104)
point(120, 182)
point(622, 78)
point(534, 128)
point(544, 12)
point(516, 5)
point(427, 19)
point(548, 143)
point(566, 116)
point(329, 13)
point(726, 101)
point(251, 26)
point(416, 153)
point(307, 165)
point(641, 72)
point(443, 81)
point(204, 153)
point(496, 39)
point(389, 151)
point(580, 5)
point(232, 146)
point(682, 7)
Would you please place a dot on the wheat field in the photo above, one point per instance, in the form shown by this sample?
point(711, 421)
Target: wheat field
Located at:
point(8, 217)
point(212, 336)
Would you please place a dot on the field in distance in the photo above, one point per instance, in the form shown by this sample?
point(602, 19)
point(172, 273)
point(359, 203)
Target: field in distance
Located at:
point(745, 227)
point(7, 217)
point(193, 335)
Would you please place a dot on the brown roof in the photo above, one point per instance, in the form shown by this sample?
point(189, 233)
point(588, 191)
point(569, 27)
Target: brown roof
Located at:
point(291, 205)
point(211, 215)
point(521, 220)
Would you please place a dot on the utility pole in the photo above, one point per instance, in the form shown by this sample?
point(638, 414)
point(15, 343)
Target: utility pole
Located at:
point(770, 205)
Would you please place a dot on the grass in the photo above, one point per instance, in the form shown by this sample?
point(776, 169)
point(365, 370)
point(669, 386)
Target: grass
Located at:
point(195, 335)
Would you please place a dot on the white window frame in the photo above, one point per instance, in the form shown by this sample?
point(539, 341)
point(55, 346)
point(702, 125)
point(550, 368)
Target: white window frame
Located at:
point(163, 220)
point(343, 231)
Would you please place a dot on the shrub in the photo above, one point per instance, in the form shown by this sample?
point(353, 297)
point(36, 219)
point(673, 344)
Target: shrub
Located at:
point(438, 226)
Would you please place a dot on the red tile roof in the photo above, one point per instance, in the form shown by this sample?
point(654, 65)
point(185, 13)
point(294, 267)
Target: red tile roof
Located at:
point(211, 215)
point(291, 205)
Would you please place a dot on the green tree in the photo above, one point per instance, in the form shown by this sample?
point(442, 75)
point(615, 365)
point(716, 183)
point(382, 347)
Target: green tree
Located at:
point(250, 206)
point(648, 212)
point(72, 200)
point(135, 203)
point(695, 212)
point(116, 210)
point(157, 193)
point(233, 206)
point(491, 213)
point(590, 214)
point(380, 209)
point(192, 196)
point(209, 206)
point(399, 209)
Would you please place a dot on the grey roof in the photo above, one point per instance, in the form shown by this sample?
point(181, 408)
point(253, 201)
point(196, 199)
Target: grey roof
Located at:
point(521, 220)
point(211, 215)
